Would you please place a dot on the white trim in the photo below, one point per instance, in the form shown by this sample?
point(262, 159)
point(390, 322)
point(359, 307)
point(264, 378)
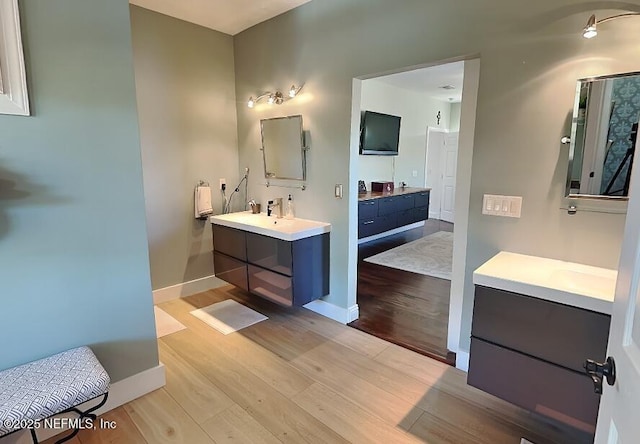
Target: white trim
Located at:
point(390, 232)
point(462, 360)
point(13, 84)
point(120, 393)
point(331, 311)
point(185, 289)
point(461, 283)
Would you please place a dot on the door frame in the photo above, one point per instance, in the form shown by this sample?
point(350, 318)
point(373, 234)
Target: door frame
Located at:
point(459, 283)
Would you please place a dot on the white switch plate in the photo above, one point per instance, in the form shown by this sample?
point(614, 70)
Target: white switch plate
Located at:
point(338, 191)
point(506, 206)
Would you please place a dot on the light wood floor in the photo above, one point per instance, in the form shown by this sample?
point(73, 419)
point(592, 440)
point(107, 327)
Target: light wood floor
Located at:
point(299, 377)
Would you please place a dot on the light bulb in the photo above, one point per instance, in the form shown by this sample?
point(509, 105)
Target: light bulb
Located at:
point(251, 102)
point(271, 99)
point(293, 91)
point(590, 32)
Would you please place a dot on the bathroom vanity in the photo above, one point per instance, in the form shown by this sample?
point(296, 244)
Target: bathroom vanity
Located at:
point(384, 211)
point(283, 260)
point(535, 323)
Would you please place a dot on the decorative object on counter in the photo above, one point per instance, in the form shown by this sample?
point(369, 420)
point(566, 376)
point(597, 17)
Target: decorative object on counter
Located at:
point(591, 30)
point(403, 185)
point(362, 188)
point(228, 316)
point(289, 213)
point(202, 204)
point(255, 207)
point(275, 97)
point(430, 255)
point(226, 203)
point(382, 186)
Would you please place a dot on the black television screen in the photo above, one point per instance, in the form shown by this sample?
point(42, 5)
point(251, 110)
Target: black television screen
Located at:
point(379, 134)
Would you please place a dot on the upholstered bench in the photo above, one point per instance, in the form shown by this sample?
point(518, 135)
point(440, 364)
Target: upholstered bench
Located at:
point(33, 392)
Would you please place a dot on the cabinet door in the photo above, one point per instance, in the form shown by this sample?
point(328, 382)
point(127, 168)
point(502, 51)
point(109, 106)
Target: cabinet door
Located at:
point(557, 333)
point(404, 202)
point(386, 206)
point(533, 384)
point(420, 213)
point(270, 285)
point(230, 241)
point(422, 199)
point(270, 253)
point(230, 270)
point(367, 209)
point(405, 217)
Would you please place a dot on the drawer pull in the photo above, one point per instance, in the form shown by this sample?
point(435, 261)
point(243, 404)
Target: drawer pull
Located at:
point(369, 222)
point(599, 371)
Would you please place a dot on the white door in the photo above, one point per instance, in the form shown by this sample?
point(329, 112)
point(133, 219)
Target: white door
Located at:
point(449, 167)
point(618, 420)
point(433, 169)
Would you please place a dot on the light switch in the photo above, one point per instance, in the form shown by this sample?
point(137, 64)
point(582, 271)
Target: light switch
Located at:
point(506, 206)
point(338, 191)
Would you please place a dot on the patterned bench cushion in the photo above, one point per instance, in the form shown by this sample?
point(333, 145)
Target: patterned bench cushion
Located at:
point(48, 386)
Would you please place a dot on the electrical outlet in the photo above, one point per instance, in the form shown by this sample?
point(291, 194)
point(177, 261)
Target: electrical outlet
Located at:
point(223, 183)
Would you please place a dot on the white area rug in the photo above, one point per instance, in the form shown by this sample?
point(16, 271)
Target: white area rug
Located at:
point(165, 323)
point(228, 316)
point(430, 255)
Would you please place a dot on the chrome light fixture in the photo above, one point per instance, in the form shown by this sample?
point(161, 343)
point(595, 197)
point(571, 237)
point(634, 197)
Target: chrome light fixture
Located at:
point(591, 30)
point(275, 97)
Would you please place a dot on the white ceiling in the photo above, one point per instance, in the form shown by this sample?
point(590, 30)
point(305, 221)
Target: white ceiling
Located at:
point(228, 16)
point(430, 80)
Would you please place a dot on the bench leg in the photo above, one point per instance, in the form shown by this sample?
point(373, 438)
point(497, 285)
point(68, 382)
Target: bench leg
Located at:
point(86, 414)
point(34, 437)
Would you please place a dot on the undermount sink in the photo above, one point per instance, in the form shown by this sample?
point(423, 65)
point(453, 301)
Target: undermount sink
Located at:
point(280, 228)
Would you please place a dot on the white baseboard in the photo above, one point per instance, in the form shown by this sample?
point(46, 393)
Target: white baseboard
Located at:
point(390, 232)
point(331, 311)
point(120, 393)
point(462, 360)
point(185, 289)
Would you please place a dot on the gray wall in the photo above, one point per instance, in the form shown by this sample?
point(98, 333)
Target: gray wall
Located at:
point(531, 55)
point(73, 245)
point(186, 100)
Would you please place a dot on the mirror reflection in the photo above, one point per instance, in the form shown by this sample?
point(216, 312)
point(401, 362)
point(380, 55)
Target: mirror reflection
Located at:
point(283, 149)
point(603, 136)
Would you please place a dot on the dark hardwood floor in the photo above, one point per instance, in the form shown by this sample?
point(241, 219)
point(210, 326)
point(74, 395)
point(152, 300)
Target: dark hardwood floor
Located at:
point(408, 309)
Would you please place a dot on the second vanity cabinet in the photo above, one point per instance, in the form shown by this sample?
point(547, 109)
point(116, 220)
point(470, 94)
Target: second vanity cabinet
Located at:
point(286, 272)
point(530, 351)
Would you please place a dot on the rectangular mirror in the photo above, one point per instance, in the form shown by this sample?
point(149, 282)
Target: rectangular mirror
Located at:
point(603, 136)
point(283, 149)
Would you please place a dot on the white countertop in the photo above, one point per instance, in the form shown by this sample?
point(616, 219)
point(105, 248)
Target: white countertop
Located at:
point(569, 283)
point(284, 229)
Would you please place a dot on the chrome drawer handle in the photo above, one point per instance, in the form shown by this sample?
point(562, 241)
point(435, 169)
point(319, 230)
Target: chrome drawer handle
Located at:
point(369, 222)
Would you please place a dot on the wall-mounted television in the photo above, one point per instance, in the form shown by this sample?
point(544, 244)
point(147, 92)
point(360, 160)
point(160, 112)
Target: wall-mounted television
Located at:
point(379, 134)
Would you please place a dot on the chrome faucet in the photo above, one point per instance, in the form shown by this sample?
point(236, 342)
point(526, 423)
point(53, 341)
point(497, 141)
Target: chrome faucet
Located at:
point(278, 205)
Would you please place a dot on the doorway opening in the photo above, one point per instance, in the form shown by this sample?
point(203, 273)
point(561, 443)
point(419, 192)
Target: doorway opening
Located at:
point(400, 296)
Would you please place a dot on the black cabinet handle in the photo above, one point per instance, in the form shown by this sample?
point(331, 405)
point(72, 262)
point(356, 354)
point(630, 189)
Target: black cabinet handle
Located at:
point(368, 222)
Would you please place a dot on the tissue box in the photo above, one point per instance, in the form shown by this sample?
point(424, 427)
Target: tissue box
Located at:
point(382, 187)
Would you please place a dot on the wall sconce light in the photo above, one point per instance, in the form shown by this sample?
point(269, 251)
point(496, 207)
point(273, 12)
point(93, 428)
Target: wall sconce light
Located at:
point(275, 97)
point(590, 31)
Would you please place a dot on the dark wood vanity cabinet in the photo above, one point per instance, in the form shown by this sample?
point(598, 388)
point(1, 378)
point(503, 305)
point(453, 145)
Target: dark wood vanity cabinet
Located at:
point(378, 212)
point(531, 352)
point(286, 272)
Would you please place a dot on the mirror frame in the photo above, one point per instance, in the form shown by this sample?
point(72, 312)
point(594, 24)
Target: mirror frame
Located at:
point(590, 202)
point(303, 150)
